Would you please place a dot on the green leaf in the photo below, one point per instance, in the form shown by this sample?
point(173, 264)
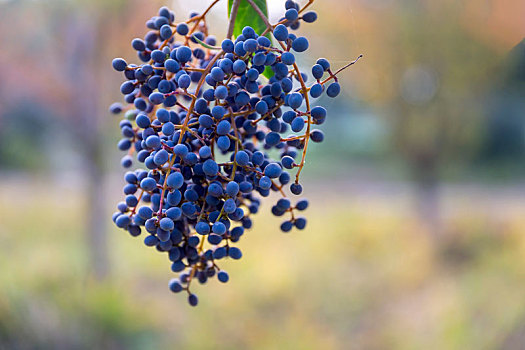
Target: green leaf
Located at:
point(247, 16)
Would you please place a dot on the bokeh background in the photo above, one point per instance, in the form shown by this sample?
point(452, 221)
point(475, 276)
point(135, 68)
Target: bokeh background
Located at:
point(416, 235)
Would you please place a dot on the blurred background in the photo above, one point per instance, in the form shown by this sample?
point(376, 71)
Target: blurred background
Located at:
point(416, 234)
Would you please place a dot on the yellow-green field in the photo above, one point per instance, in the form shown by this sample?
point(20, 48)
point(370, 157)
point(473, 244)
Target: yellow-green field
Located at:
point(363, 275)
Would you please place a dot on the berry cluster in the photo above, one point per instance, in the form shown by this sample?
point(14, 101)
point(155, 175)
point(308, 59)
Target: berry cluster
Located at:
point(203, 120)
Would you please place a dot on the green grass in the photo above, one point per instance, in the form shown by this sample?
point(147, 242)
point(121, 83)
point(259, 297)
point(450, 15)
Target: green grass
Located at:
point(363, 275)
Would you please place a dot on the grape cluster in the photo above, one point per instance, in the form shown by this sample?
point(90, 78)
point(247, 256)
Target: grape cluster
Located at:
point(203, 119)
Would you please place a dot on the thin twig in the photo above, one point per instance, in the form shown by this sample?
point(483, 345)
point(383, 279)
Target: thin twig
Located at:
point(348, 65)
point(233, 16)
point(333, 75)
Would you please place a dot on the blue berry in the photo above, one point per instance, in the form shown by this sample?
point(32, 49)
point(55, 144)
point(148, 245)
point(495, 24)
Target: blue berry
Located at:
point(316, 90)
point(218, 112)
point(286, 226)
point(291, 14)
point(300, 223)
point(229, 206)
point(232, 188)
point(296, 189)
point(242, 158)
point(158, 56)
point(184, 81)
point(183, 29)
point(205, 152)
point(295, 100)
point(183, 54)
point(297, 124)
point(214, 239)
point(239, 66)
point(280, 32)
point(227, 45)
point(161, 157)
point(175, 180)
point(175, 286)
point(302, 204)
point(127, 87)
point(151, 241)
point(156, 98)
point(234, 253)
point(272, 170)
point(324, 63)
point(181, 150)
point(333, 89)
point(138, 44)
point(202, 228)
point(272, 139)
point(300, 44)
point(219, 228)
point(287, 162)
point(148, 184)
point(123, 221)
point(165, 32)
point(317, 71)
point(221, 92)
point(250, 45)
point(223, 127)
point(217, 74)
point(193, 300)
point(166, 224)
point(317, 136)
point(318, 112)
point(119, 64)
point(288, 58)
point(210, 168)
point(310, 17)
point(223, 277)
point(248, 32)
point(265, 183)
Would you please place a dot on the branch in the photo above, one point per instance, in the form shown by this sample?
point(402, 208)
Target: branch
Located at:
point(233, 16)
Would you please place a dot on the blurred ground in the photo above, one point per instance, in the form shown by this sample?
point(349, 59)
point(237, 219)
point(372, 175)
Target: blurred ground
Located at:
point(362, 275)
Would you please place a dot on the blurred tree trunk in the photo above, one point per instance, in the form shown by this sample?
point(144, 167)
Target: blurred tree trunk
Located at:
point(426, 192)
point(97, 215)
point(422, 147)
